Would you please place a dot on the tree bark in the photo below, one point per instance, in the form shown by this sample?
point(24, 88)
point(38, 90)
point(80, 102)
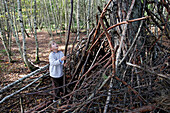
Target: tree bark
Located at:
point(88, 16)
point(4, 42)
point(35, 32)
point(78, 18)
point(28, 64)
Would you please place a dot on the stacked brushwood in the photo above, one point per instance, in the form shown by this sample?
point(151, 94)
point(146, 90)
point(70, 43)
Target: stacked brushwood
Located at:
point(107, 72)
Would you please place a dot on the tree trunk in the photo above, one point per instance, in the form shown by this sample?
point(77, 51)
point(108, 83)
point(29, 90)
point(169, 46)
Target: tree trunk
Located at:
point(30, 67)
point(4, 42)
point(35, 31)
point(85, 15)
point(66, 18)
point(88, 16)
point(13, 29)
point(28, 18)
point(78, 18)
point(53, 15)
point(48, 20)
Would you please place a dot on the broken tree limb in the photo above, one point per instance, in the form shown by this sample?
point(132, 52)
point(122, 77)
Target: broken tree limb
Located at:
point(17, 81)
point(149, 71)
point(22, 88)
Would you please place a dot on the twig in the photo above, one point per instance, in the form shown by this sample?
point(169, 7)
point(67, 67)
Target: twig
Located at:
point(21, 104)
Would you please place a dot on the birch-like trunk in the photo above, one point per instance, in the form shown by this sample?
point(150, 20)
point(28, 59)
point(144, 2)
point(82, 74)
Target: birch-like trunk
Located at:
point(78, 19)
point(15, 34)
point(28, 18)
point(88, 16)
point(54, 16)
point(66, 18)
point(4, 42)
point(84, 14)
point(30, 67)
point(35, 31)
point(47, 18)
point(58, 17)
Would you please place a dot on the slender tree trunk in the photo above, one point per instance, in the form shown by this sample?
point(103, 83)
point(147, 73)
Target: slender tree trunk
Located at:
point(88, 16)
point(28, 19)
point(35, 31)
point(59, 19)
point(30, 67)
point(4, 42)
point(78, 19)
point(92, 10)
point(54, 16)
point(48, 20)
point(66, 18)
point(13, 29)
point(84, 12)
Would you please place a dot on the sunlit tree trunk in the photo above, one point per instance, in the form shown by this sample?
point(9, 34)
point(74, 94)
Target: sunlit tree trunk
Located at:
point(66, 17)
point(4, 41)
point(78, 18)
point(88, 16)
point(53, 15)
point(28, 17)
point(84, 14)
point(30, 67)
point(58, 17)
point(15, 34)
point(47, 19)
point(92, 10)
point(35, 31)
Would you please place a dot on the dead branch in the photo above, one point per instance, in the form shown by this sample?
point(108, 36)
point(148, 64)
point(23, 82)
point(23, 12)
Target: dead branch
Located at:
point(147, 70)
point(20, 80)
point(22, 88)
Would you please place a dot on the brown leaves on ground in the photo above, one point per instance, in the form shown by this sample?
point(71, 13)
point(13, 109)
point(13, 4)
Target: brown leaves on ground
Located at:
point(12, 71)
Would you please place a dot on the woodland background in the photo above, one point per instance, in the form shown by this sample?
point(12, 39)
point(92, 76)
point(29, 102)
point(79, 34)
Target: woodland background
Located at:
point(118, 54)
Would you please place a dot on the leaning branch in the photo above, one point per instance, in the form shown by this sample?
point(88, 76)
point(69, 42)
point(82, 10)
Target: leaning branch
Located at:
point(22, 88)
point(17, 81)
point(149, 71)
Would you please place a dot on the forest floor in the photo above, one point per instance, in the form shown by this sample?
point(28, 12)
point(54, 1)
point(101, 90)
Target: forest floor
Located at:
point(10, 72)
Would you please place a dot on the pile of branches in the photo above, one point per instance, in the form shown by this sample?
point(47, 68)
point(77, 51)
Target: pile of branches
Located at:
point(107, 72)
point(117, 74)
